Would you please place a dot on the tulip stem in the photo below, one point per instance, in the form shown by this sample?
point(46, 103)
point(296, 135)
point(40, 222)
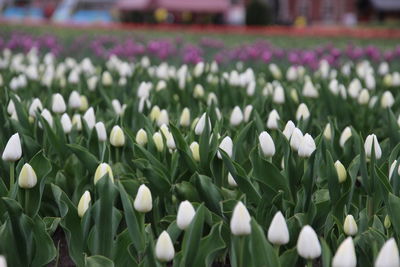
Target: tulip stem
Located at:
point(116, 154)
point(102, 151)
point(27, 199)
point(12, 174)
point(309, 263)
point(277, 249)
point(240, 252)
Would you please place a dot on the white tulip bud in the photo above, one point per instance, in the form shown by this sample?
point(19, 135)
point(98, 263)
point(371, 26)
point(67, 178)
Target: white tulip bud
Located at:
point(273, 118)
point(74, 100)
point(345, 255)
point(143, 201)
point(227, 146)
point(346, 134)
point(13, 151)
point(66, 123)
point(278, 232)
point(154, 113)
point(163, 118)
point(77, 121)
point(106, 78)
point(368, 146)
point(231, 180)
point(307, 146)
point(47, 116)
point(185, 215)
point(279, 95)
point(363, 98)
point(275, 71)
point(117, 137)
point(184, 120)
point(289, 128)
point(302, 112)
point(198, 69)
point(36, 106)
point(354, 88)
point(388, 256)
point(102, 170)
point(383, 68)
point(117, 107)
point(158, 141)
point(341, 171)
point(84, 103)
point(171, 142)
point(212, 98)
point(164, 248)
point(161, 85)
point(391, 170)
point(387, 100)
point(27, 177)
point(84, 203)
point(101, 131)
point(247, 112)
point(251, 88)
point(141, 137)
point(58, 104)
point(308, 245)
point(350, 226)
point(240, 221)
point(309, 89)
point(267, 144)
point(3, 261)
point(90, 118)
point(194, 148)
point(198, 91)
point(296, 139)
point(201, 124)
point(92, 83)
point(236, 116)
point(328, 132)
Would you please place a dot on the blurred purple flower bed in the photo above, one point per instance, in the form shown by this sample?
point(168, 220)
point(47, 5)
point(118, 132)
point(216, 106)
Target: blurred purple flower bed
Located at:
point(176, 49)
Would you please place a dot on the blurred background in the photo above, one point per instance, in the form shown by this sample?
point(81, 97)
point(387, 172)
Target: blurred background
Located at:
point(225, 12)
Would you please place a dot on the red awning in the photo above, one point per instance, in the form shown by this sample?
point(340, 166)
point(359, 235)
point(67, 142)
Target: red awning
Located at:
point(134, 4)
point(194, 5)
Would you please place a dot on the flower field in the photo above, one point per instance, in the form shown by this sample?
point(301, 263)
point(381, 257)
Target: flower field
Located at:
point(165, 153)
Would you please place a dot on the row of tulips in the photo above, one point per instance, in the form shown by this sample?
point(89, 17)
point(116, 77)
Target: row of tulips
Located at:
point(149, 165)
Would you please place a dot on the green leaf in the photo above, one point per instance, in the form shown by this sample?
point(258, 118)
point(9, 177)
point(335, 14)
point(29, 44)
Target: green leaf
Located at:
point(98, 261)
point(192, 238)
point(209, 192)
point(88, 159)
point(263, 253)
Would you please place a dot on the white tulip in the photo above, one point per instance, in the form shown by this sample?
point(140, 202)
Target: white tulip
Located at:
point(106, 78)
point(387, 100)
point(158, 141)
point(236, 116)
point(368, 146)
point(198, 91)
point(66, 123)
point(184, 120)
point(74, 100)
point(308, 245)
point(247, 112)
point(200, 126)
point(296, 139)
point(341, 171)
point(354, 88)
point(251, 88)
point(278, 232)
point(84, 203)
point(346, 134)
point(309, 89)
point(345, 255)
point(363, 98)
point(77, 121)
point(289, 128)
point(307, 146)
point(240, 221)
point(141, 137)
point(36, 106)
point(198, 69)
point(164, 248)
point(58, 104)
point(194, 148)
point(117, 107)
point(302, 112)
point(231, 180)
point(154, 113)
point(388, 256)
point(163, 118)
point(117, 137)
point(227, 146)
point(90, 118)
point(328, 132)
point(27, 177)
point(350, 226)
point(273, 118)
point(13, 151)
point(267, 144)
point(279, 95)
point(143, 201)
point(101, 131)
point(185, 215)
point(3, 261)
point(102, 170)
